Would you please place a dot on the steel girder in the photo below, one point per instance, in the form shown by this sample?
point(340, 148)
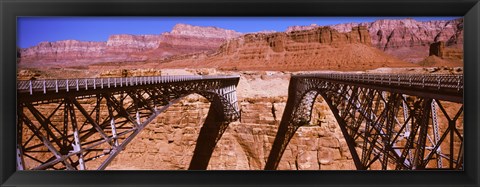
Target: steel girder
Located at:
point(85, 126)
point(384, 127)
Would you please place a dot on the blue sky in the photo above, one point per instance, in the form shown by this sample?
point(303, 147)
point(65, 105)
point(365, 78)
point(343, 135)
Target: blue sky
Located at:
point(33, 30)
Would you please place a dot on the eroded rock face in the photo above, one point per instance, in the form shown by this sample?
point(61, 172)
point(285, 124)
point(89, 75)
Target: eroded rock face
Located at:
point(203, 32)
point(439, 49)
point(387, 33)
point(259, 43)
point(65, 49)
point(406, 39)
point(132, 43)
point(183, 39)
point(168, 143)
point(316, 49)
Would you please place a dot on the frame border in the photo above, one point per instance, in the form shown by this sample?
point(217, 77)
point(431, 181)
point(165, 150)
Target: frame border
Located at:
point(10, 9)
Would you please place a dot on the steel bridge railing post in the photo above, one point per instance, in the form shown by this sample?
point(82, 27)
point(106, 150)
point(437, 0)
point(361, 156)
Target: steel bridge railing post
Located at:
point(438, 82)
point(30, 87)
point(56, 85)
point(458, 83)
point(423, 81)
point(44, 87)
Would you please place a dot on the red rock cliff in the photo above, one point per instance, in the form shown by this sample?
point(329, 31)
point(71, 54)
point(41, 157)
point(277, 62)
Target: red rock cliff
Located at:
point(183, 39)
point(405, 32)
point(281, 41)
point(406, 39)
point(66, 49)
point(316, 49)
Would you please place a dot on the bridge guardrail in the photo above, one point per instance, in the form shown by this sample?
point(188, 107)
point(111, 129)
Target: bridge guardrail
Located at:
point(32, 86)
point(438, 81)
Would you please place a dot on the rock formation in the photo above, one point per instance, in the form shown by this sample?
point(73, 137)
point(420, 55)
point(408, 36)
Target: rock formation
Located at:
point(132, 43)
point(62, 50)
point(408, 32)
point(439, 49)
point(441, 55)
point(315, 49)
point(203, 32)
point(406, 39)
point(183, 39)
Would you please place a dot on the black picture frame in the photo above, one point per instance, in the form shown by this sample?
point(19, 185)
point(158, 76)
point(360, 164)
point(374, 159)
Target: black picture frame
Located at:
point(10, 9)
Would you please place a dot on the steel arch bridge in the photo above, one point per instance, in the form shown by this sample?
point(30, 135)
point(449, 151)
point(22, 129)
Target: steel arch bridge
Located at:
point(401, 122)
point(78, 124)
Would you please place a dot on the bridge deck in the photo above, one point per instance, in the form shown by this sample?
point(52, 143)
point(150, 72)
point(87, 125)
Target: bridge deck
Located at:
point(440, 86)
point(31, 90)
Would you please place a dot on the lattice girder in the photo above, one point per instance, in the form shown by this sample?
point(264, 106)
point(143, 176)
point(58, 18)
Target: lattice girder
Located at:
point(80, 129)
point(384, 128)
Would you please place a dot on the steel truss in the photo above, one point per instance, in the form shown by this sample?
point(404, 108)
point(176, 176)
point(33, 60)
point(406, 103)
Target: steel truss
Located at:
point(86, 124)
point(384, 127)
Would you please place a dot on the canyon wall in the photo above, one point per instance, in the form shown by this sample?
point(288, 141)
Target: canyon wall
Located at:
point(127, 43)
point(168, 143)
point(406, 39)
point(183, 39)
point(203, 32)
point(388, 33)
point(62, 50)
point(280, 41)
point(439, 49)
point(321, 48)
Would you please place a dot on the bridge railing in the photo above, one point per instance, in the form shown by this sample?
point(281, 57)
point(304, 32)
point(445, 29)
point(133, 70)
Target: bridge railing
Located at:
point(439, 81)
point(32, 86)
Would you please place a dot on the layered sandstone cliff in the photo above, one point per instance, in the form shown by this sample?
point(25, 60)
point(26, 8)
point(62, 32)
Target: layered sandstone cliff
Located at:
point(183, 39)
point(315, 49)
point(132, 43)
point(62, 50)
point(442, 55)
point(388, 33)
point(439, 49)
point(203, 32)
point(407, 39)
